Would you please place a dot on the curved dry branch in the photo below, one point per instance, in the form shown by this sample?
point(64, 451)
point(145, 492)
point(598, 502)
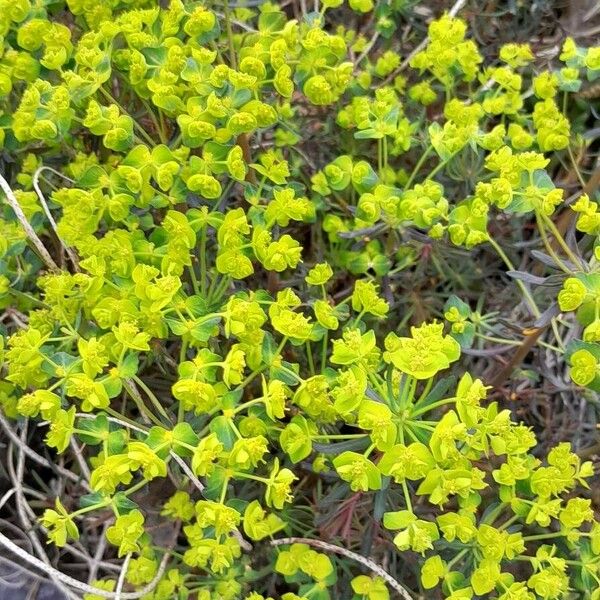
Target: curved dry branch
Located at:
point(372, 566)
point(40, 459)
point(31, 234)
point(71, 582)
point(122, 575)
point(36, 186)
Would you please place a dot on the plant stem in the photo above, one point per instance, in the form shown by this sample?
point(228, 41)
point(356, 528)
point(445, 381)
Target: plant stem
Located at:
point(309, 356)
point(431, 406)
point(375, 568)
point(407, 496)
point(232, 57)
point(224, 490)
point(134, 488)
point(141, 130)
point(549, 249)
point(203, 261)
point(542, 536)
point(559, 238)
point(324, 345)
point(341, 436)
point(155, 401)
point(522, 286)
point(490, 338)
point(418, 166)
point(137, 399)
point(425, 392)
point(456, 559)
point(440, 166)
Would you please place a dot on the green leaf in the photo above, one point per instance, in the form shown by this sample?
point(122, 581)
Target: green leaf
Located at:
point(368, 134)
point(339, 447)
point(214, 483)
point(282, 373)
point(155, 57)
point(269, 348)
point(398, 520)
point(220, 427)
point(231, 399)
point(117, 441)
point(183, 434)
point(113, 386)
point(296, 440)
point(93, 177)
point(159, 438)
point(271, 21)
point(123, 503)
point(466, 337)
point(129, 367)
point(98, 428)
point(440, 389)
point(542, 180)
point(92, 499)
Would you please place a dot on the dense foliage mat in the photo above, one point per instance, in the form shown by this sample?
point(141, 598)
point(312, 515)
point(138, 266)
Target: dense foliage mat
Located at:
point(276, 298)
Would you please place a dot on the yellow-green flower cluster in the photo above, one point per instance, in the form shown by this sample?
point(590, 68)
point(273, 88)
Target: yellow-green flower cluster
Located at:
point(225, 196)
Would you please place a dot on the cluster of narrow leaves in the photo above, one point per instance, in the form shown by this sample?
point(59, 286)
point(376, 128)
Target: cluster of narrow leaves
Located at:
point(221, 327)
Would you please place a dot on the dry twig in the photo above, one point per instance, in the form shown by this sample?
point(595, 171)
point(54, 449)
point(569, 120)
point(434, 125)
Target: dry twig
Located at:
point(372, 566)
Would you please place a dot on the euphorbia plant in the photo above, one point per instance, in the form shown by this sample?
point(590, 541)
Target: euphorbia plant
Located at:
point(224, 332)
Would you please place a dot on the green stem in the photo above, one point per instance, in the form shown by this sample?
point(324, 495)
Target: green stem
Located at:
point(358, 318)
point(508, 523)
point(140, 129)
point(494, 514)
point(251, 377)
point(418, 166)
point(250, 476)
point(117, 415)
point(425, 391)
point(221, 288)
point(373, 379)
point(283, 342)
point(497, 340)
point(137, 399)
point(309, 356)
point(234, 428)
point(248, 404)
point(440, 166)
point(87, 509)
point(456, 559)
point(408, 392)
point(155, 401)
point(385, 152)
point(341, 436)
point(324, 351)
point(407, 496)
point(550, 249)
point(203, 261)
point(410, 432)
point(224, 490)
point(193, 278)
point(211, 287)
point(420, 425)
point(136, 487)
point(431, 406)
point(542, 536)
point(158, 126)
point(232, 57)
point(369, 450)
point(508, 263)
point(559, 238)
